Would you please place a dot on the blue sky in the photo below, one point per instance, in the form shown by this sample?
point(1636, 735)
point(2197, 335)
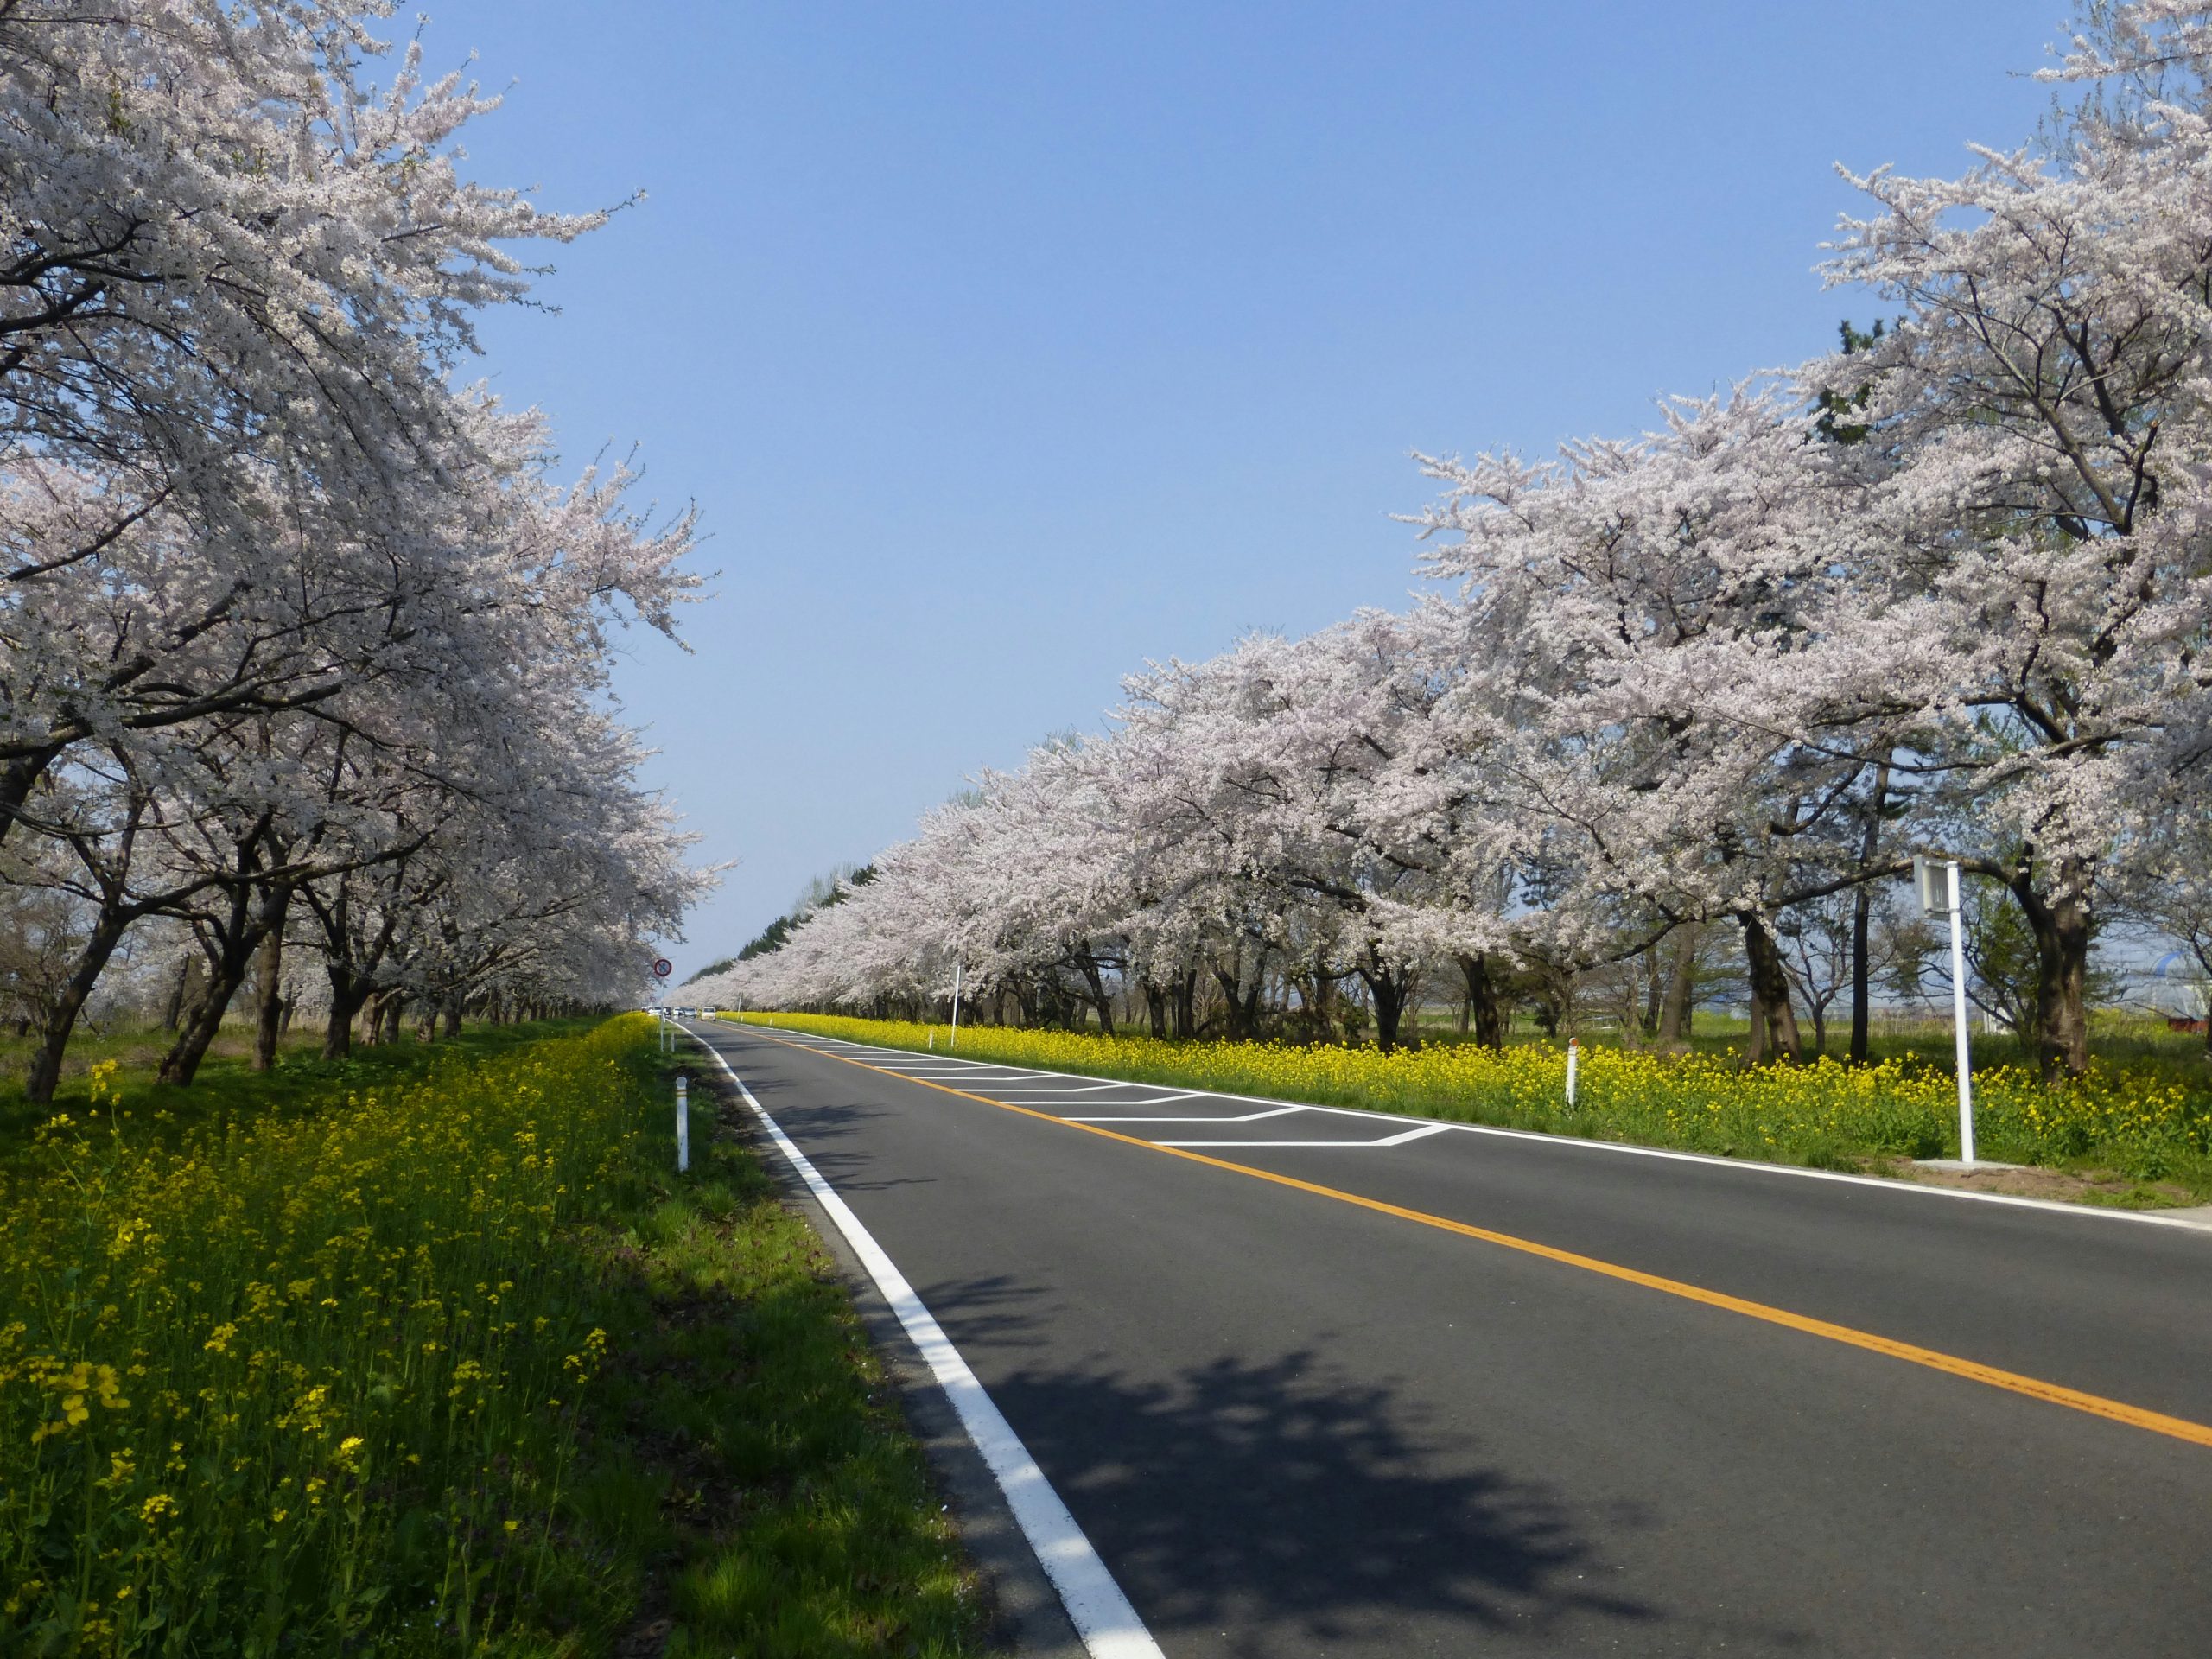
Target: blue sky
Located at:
point(1006, 347)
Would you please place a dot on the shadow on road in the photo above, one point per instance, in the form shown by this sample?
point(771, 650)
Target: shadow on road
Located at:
point(1249, 1497)
point(1276, 1508)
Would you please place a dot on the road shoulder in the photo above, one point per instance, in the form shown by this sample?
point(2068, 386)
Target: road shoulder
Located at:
point(1027, 1618)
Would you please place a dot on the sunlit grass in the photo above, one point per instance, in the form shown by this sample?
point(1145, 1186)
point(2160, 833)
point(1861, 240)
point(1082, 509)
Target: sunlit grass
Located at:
point(448, 1362)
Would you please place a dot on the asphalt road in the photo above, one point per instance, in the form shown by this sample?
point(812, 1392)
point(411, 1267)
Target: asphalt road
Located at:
point(1291, 1425)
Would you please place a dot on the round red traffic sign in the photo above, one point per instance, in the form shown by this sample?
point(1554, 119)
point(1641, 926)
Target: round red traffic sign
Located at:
point(663, 967)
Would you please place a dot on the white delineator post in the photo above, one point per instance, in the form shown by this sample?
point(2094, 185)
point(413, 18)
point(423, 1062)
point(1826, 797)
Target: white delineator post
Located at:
point(1959, 1018)
point(1937, 881)
point(954, 1040)
point(1574, 1061)
point(682, 1123)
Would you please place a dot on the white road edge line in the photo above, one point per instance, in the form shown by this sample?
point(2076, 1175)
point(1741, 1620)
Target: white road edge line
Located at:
point(1102, 1615)
point(1748, 1165)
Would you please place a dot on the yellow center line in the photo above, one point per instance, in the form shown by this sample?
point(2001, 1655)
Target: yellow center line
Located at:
point(2118, 1411)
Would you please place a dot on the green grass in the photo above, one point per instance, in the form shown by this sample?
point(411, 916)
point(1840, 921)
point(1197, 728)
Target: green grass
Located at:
point(430, 1353)
point(227, 1087)
point(754, 1443)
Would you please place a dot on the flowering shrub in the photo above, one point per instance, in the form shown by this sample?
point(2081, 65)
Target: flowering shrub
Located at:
point(316, 1375)
point(1705, 1103)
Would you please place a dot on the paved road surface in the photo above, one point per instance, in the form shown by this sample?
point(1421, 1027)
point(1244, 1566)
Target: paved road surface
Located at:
point(1293, 1424)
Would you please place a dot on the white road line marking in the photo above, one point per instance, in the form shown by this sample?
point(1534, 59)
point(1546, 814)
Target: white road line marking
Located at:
point(1278, 1145)
point(1161, 1100)
point(1102, 1617)
point(950, 1068)
point(1249, 1117)
point(1086, 1089)
point(1422, 1133)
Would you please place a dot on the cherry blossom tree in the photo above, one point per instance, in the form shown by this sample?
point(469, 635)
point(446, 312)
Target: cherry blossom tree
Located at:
point(2026, 626)
point(290, 619)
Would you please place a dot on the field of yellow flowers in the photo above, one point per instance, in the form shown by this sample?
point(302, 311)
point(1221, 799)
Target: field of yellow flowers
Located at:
point(450, 1365)
point(297, 1378)
point(1824, 1113)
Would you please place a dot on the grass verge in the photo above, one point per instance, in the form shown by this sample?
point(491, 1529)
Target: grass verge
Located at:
point(453, 1364)
point(2155, 1134)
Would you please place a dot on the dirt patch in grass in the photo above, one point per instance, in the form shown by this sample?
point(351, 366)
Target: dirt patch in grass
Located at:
point(2093, 1186)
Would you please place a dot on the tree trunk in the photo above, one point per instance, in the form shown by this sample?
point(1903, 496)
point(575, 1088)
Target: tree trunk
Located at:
point(1186, 1003)
point(1099, 998)
point(183, 993)
point(1675, 1011)
point(1772, 1016)
point(1482, 1001)
point(61, 1018)
point(1155, 1008)
point(1388, 988)
point(2062, 930)
point(348, 992)
point(1862, 910)
point(182, 1064)
point(1389, 1009)
point(269, 992)
point(1239, 1030)
point(17, 779)
point(238, 935)
point(453, 1015)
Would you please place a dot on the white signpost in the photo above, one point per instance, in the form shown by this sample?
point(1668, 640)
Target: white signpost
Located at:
point(683, 1124)
point(662, 969)
point(1937, 879)
point(954, 1040)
